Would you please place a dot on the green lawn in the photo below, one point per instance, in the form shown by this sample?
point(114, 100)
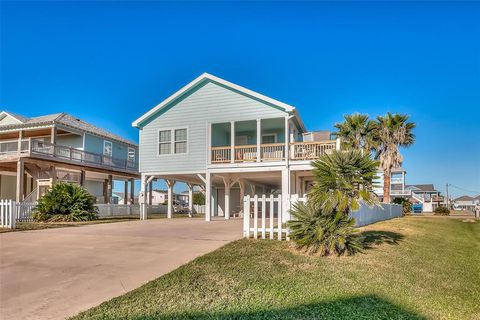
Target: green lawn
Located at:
point(415, 268)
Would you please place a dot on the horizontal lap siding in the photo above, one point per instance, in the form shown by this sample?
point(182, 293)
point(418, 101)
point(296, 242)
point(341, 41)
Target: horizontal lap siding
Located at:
point(119, 150)
point(211, 103)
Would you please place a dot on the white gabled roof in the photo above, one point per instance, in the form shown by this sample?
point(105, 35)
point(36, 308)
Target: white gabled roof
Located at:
point(16, 117)
point(207, 76)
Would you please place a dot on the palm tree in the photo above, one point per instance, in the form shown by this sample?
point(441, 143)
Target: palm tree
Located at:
point(342, 179)
point(393, 131)
point(323, 224)
point(356, 132)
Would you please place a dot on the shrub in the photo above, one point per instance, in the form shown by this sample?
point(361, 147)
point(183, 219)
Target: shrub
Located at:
point(65, 202)
point(198, 198)
point(317, 232)
point(442, 211)
point(406, 205)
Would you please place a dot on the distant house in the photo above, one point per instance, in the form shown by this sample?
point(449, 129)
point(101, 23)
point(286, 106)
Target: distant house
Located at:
point(36, 152)
point(466, 202)
point(157, 197)
point(424, 194)
point(119, 198)
point(161, 197)
point(397, 183)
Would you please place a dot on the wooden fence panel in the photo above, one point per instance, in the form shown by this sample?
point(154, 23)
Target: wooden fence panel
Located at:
point(7, 214)
point(263, 207)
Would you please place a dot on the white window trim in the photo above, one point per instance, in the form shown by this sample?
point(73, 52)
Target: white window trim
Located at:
point(105, 142)
point(269, 135)
point(134, 154)
point(172, 142)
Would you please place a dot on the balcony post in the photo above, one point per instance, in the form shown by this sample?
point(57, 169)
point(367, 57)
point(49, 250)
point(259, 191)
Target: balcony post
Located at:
point(190, 199)
point(132, 191)
point(208, 196)
point(82, 178)
point(109, 188)
point(337, 144)
point(259, 138)
point(53, 135)
point(150, 193)
point(170, 201)
point(125, 193)
point(232, 142)
point(20, 137)
point(143, 203)
point(287, 138)
point(20, 181)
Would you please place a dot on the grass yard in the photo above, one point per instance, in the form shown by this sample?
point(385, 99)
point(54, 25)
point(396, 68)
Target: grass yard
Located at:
point(414, 268)
point(23, 226)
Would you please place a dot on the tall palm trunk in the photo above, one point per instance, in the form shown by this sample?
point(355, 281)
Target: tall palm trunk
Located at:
point(386, 186)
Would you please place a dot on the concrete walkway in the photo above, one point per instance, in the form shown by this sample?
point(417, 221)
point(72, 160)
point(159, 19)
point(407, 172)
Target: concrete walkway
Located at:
point(56, 273)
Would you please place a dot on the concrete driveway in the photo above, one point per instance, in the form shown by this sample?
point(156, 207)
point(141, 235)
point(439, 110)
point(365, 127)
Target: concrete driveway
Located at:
point(55, 273)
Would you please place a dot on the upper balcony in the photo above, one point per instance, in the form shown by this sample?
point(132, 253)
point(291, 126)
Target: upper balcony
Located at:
point(10, 150)
point(262, 140)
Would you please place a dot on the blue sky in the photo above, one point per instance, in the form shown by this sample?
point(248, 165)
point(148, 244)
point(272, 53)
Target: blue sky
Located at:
point(109, 62)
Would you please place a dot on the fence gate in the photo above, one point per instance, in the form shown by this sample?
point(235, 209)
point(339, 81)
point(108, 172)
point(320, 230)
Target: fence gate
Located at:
point(263, 215)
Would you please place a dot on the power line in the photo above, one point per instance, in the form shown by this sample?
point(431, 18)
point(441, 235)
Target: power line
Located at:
point(463, 189)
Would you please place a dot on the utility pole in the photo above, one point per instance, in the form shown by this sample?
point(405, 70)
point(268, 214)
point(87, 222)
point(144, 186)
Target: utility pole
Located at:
point(447, 196)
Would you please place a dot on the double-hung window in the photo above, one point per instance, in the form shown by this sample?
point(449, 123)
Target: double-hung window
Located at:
point(180, 140)
point(172, 141)
point(131, 154)
point(107, 148)
point(164, 142)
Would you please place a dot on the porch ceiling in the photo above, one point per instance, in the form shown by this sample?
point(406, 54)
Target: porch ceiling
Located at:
point(272, 179)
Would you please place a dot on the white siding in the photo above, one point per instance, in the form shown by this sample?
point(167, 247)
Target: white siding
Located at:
point(211, 103)
point(8, 120)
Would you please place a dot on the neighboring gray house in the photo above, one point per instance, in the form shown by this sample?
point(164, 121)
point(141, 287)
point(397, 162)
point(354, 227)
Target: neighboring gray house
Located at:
point(229, 140)
point(466, 202)
point(36, 152)
point(397, 183)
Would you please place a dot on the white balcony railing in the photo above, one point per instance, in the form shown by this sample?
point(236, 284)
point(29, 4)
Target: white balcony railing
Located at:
point(246, 153)
point(272, 152)
point(311, 150)
point(42, 148)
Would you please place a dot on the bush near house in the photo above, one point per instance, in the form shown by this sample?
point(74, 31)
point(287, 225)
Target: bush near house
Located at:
point(323, 225)
point(65, 202)
point(442, 211)
point(198, 198)
point(406, 205)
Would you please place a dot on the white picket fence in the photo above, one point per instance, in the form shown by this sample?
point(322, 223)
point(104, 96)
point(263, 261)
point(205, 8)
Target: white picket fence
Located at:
point(266, 211)
point(263, 215)
point(8, 214)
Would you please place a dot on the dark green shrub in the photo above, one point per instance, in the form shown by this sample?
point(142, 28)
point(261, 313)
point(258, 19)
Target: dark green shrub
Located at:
point(316, 232)
point(198, 198)
point(442, 211)
point(65, 202)
point(406, 205)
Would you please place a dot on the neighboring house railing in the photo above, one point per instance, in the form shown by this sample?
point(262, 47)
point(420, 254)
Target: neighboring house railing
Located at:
point(42, 148)
point(272, 152)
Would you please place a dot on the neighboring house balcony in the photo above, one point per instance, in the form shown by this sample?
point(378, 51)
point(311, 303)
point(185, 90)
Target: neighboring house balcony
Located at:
point(35, 148)
point(262, 140)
